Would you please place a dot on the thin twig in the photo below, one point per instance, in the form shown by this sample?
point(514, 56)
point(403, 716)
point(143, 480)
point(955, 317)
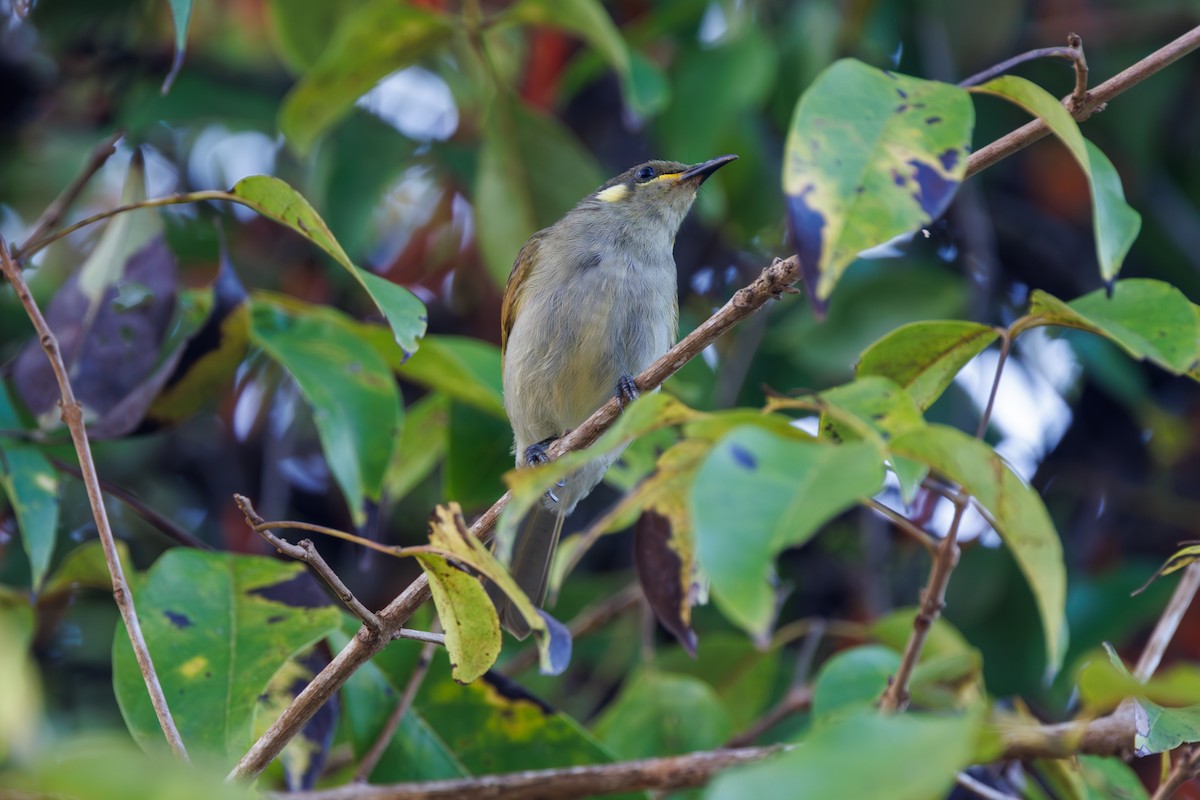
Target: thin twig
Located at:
point(420, 669)
point(306, 552)
point(773, 282)
point(592, 618)
point(1079, 96)
point(980, 788)
point(673, 772)
point(54, 212)
point(1096, 99)
point(1069, 53)
point(72, 415)
point(933, 600)
point(31, 247)
point(420, 636)
point(165, 525)
point(795, 700)
point(906, 525)
point(985, 418)
point(1168, 623)
point(1186, 767)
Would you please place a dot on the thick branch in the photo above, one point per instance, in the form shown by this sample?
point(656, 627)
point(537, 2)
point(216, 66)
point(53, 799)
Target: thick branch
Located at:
point(674, 772)
point(1095, 100)
point(72, 414)
point(774, 281)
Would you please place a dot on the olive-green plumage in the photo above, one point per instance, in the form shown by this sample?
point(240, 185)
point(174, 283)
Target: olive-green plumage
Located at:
point(590, 300)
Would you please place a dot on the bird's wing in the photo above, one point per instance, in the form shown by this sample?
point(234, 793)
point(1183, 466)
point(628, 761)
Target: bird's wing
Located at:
point(514, 290)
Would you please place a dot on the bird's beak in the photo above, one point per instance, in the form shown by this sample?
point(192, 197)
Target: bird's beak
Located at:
point(700, 172)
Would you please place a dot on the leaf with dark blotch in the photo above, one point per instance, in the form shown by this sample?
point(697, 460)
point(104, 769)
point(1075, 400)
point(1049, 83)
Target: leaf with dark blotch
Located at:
point(660, 571)
point(214, 669)
point(304, 757)
point(870, 155)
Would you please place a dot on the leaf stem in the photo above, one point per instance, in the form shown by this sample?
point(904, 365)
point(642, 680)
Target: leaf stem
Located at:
point(1069, 53)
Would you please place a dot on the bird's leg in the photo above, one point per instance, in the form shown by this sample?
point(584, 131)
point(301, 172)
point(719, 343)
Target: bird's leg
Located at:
point(535, 456)
point(627, 391)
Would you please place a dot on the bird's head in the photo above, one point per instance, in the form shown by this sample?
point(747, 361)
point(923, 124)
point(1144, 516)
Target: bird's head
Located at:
point(656, 192)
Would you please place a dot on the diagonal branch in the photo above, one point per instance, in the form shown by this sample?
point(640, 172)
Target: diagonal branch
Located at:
point(72, 415)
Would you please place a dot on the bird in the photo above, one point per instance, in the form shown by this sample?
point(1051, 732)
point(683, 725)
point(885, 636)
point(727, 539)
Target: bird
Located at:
point(591, 302)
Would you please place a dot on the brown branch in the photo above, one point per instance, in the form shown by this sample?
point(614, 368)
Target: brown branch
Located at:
point(1168, 623)
point(795, 700)
point(1079, 95)
point(933, 600)
point(906, 525)
point(1187, 766)
point(589, 619)
point(420, 669)
point(72, 415)
point(306, 552)
point(1094, 101)
point(673, 772)
point(773, 282)
point(54, 212)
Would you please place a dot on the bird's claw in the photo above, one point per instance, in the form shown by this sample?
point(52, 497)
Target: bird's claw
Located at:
point(627, 391)
point(535, 456)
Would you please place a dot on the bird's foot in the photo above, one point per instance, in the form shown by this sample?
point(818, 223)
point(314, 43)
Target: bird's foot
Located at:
point(535, 456)
point(627, 391)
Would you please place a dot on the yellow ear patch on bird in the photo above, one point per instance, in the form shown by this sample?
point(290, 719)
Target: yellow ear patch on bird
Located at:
point(614, 194)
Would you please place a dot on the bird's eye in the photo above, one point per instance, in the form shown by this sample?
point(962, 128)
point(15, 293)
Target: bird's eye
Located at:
point(644, 174)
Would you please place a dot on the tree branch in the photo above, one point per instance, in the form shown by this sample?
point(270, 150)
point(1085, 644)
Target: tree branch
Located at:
point(1186, 767)
point(674, 772)
point(1094, 101)
point(1168, 623)
point(72, 415)
point(773, 282)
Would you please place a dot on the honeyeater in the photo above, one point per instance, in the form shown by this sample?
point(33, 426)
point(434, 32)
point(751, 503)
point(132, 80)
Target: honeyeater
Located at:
point(590, 303)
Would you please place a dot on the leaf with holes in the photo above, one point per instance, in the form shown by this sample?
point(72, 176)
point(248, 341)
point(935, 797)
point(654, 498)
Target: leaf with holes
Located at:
point(870, 155)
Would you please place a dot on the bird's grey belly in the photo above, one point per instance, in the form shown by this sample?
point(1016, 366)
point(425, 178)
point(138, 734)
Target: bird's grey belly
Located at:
point(578, 342)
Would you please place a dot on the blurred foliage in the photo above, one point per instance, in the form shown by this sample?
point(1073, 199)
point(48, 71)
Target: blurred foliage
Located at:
point(353, 380)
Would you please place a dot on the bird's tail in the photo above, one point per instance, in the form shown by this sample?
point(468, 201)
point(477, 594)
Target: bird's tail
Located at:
point(533, 550)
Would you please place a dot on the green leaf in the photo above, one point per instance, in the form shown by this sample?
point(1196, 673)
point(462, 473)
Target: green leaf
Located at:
point(1147, 319)
point(370, 43)
point(742, 675)
point(924, 357)
point(85, 567)
point(421, 446)
point(415, 752)
point(532, 170)
point(862, 755)
point(21, 704)
point(588, 20)
point(30, 482)
point(1111, 779)
point(181, 12)
point(870, 155)
point(276, 200)
point(852, 680)
point(1012, 508)
point(448, 533)
point(355, 401)
point(660, 714)
point(465, 369)
point(894, 628)
point(1160, 730)
point(758, 493)
point(467, 616)
point(218, 626)
point(1116, 224)
point(302, 29)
